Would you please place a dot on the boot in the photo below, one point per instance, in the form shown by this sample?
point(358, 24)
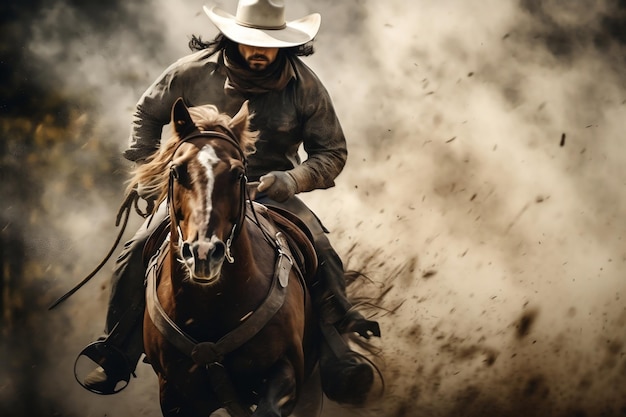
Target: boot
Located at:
point(329, 294)
point(100, 382)
point(116, 362)
point(344, 378)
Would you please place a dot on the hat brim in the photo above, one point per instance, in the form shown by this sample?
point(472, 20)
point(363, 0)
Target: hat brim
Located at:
point(296, 32)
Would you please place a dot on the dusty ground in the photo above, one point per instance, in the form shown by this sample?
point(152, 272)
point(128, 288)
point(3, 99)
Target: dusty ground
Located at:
point(484, 196)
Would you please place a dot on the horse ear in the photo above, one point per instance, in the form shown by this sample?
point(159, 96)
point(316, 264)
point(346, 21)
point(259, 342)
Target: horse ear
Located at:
point(180, 118)
point(241, 121)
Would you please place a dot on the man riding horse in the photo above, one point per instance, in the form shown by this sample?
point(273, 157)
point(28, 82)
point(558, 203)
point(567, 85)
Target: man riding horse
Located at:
point(255, 57)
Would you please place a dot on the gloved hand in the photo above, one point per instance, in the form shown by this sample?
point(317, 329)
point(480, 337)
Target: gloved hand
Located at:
point(278, 185)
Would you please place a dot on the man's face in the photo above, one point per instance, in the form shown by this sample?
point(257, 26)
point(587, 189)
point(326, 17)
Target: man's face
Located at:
point(256, 57)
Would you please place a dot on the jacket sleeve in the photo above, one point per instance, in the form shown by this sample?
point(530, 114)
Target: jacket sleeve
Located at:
point(153, 111)
point(323, 140)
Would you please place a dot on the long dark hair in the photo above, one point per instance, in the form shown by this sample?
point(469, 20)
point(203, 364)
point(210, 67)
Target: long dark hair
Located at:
point(221, 42)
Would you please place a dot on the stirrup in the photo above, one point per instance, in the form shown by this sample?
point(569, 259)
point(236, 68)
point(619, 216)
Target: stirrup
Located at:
point(112, 360)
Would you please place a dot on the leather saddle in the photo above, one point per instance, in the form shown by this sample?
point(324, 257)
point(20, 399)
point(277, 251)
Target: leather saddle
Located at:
point(299, 238)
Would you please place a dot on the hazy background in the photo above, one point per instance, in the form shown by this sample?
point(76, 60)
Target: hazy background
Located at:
point(484, 194)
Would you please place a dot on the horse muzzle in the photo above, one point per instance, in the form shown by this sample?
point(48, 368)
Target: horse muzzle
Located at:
point(204, 259)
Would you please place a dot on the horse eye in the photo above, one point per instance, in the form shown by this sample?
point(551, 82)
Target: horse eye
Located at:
point(237, 174)
point(179, 173)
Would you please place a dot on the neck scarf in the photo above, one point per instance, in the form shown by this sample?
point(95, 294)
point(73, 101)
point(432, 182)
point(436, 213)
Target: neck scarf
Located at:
point(242, 79)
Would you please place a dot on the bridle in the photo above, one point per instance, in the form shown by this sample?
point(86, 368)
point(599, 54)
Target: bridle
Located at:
point(211, 354)
point(229, 137)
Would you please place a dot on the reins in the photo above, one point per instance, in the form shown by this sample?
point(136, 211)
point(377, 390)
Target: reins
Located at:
point(131, 200)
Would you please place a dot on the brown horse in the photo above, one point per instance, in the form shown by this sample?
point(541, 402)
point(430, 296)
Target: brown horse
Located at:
point(228, 322)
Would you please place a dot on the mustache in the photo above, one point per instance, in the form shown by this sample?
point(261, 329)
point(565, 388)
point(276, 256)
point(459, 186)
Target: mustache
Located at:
point(259, 57)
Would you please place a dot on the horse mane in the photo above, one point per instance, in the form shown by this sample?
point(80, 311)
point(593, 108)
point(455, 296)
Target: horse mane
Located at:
point(153, 176)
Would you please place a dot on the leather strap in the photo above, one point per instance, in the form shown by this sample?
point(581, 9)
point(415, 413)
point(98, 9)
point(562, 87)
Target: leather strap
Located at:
point(205, 353)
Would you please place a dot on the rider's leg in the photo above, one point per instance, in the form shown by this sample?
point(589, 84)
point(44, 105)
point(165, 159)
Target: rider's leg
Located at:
point(344, 377)
point(329, 288)
point(125, 308)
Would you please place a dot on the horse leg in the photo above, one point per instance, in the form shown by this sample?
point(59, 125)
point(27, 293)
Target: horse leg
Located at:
point(278, 397)
point(169, 399)
point(176, 404)
point(172, 402)
point(310, 399)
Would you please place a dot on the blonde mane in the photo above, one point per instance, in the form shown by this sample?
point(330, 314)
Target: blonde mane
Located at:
point(153, 176)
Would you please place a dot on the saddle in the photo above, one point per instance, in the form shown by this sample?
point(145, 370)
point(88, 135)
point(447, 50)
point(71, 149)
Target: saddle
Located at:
point(299, 238)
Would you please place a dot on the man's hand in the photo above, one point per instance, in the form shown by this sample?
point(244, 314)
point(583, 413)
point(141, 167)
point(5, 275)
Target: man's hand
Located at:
point(278, 185)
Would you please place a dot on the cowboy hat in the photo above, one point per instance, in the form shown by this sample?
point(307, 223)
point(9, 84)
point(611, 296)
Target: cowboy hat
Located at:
point(262, 23)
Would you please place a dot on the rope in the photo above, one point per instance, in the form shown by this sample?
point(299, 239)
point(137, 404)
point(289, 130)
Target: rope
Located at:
point(130, 200)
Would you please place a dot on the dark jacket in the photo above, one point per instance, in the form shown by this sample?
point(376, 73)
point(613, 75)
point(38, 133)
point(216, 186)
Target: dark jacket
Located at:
point(301, 113)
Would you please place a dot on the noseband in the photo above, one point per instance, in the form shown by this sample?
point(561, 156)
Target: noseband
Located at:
point(176, 233)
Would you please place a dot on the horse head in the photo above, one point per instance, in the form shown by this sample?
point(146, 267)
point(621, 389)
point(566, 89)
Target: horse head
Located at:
point(206, 187)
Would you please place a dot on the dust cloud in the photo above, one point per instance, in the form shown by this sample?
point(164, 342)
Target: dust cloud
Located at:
point(484, 197)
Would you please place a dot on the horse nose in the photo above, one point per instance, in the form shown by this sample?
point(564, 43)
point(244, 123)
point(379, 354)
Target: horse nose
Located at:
point(204, 250)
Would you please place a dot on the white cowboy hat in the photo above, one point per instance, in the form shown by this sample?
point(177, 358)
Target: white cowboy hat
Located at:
point(262, 23)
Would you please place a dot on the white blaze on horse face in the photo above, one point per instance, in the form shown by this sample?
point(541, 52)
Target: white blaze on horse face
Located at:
point(208, 159)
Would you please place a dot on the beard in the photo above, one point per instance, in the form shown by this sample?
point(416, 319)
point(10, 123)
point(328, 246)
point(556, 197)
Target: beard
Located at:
point(258, 62)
